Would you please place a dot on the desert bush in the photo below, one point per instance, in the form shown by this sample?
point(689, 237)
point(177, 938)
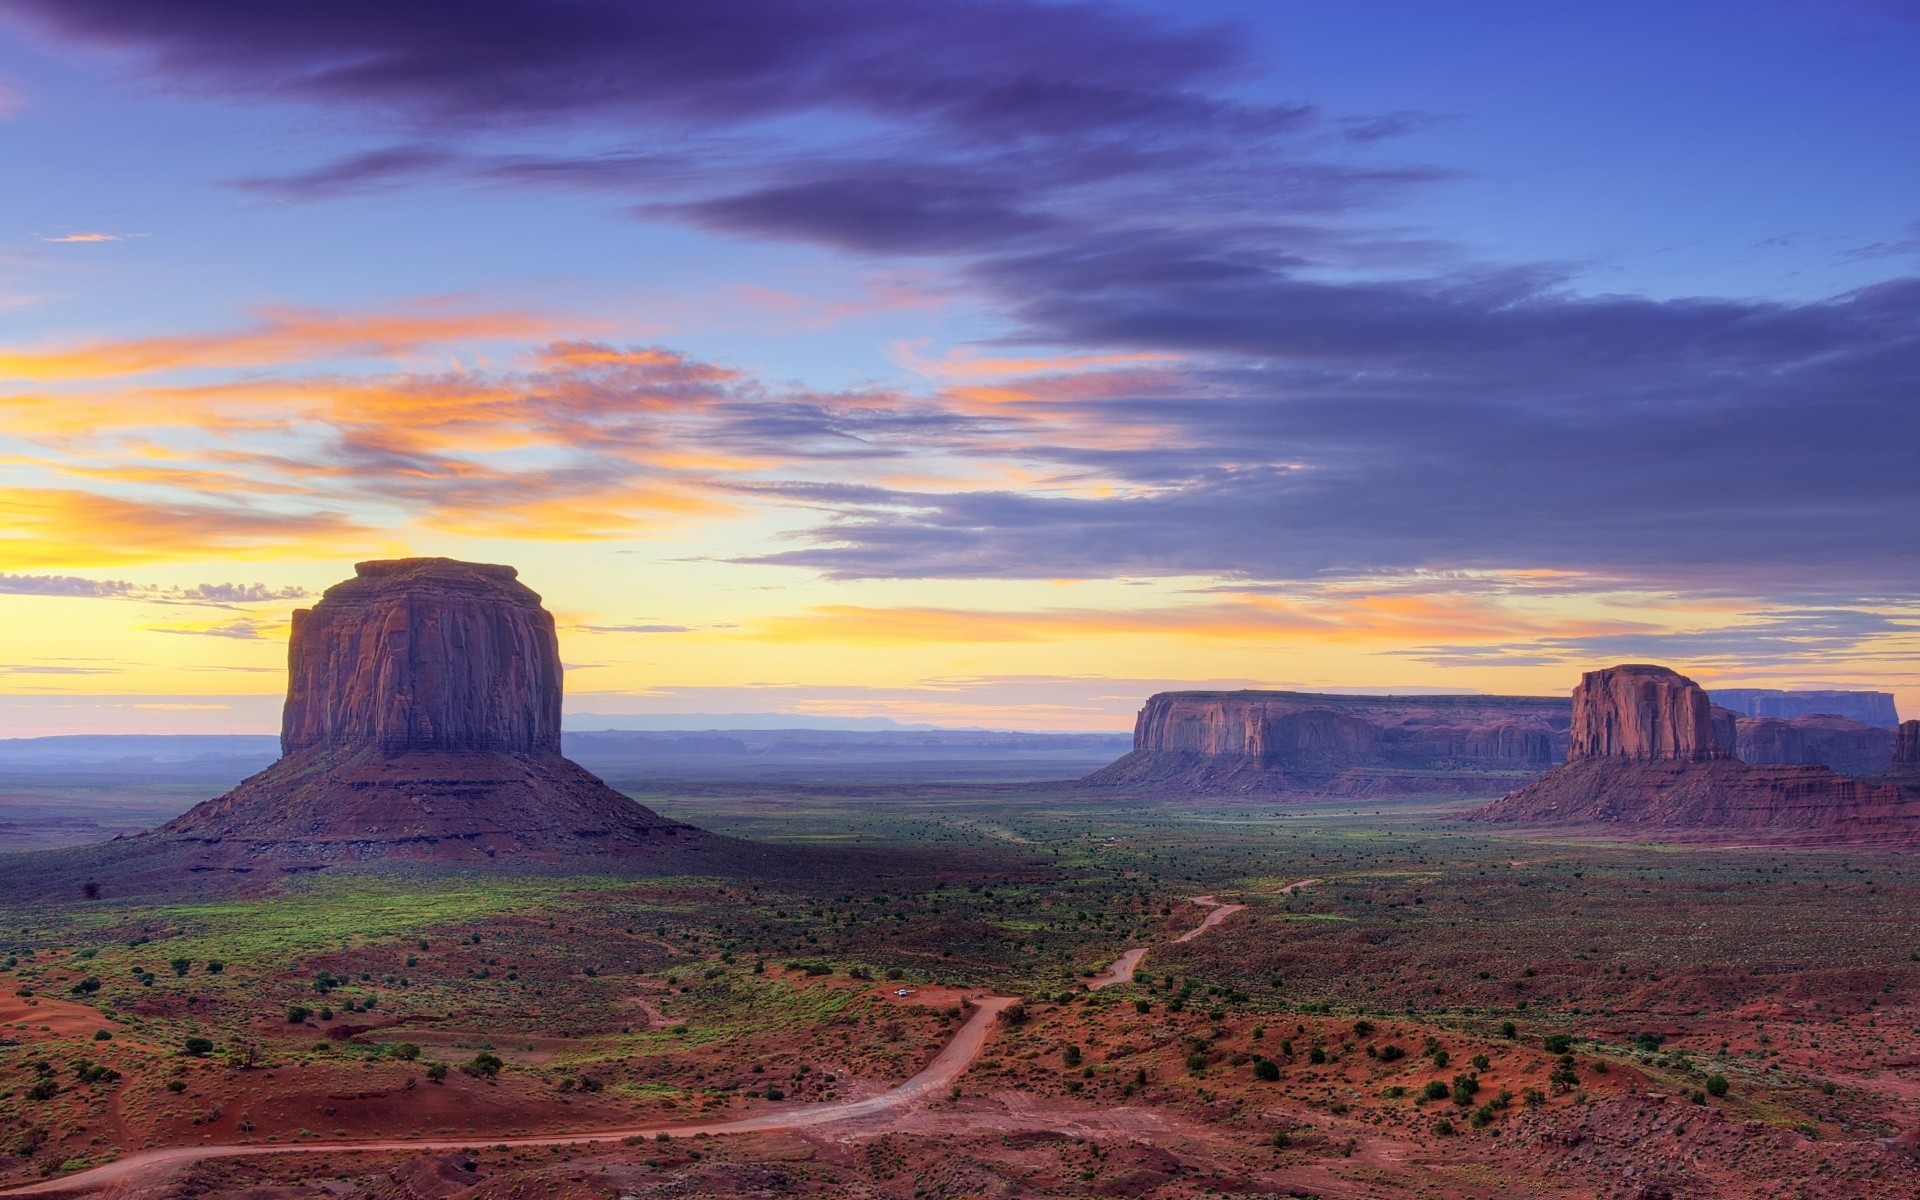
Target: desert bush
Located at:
point(1716, 1085)
point(1509, 1030)
point(1316, 1055)
point(1480, 1062)
point(1070, 1056)
point(484, 1066)
point(1557, 1043)
point(1390, 1053)
point(1266, 1070)
point(1436, 1089)
point(198, 1047)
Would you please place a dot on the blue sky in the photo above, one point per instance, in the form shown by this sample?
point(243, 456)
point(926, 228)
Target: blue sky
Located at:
point(1308, 344)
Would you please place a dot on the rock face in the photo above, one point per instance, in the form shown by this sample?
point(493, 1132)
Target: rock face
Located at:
point(1226, 743)
point(1647, 713)
point(424, 654)
point(422, 722)
point(1650, 751)
point(1906, 751)
point(1868, 708)
point(1838, 743)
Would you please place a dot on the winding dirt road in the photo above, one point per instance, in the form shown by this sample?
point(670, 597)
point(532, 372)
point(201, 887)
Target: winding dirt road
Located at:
point(946, 1067)
point(1122, 968)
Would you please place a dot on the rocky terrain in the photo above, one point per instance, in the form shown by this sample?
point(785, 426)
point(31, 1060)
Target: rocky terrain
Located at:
point(1649, 749)
point(1227, 743)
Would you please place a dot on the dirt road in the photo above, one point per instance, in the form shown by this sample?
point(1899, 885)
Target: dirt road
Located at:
point(946, 1067)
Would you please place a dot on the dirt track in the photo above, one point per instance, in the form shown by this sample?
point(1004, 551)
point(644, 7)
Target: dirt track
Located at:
point(946, 1067)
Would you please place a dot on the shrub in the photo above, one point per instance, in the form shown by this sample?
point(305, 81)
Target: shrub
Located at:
point(1443, 1127)
point(1480, 1062)
point(437, 1072)
point(1464, 1087)
point(1196, 1063)
point(181, 965)
point(1481, 1116)
point(407, 1051)
point(1440, 1059)
point(1389, 1053)
point(1266, 1070)
point(1557, 1043)
point(1015, 1014)
point(1316, 1056)
point(1070, 1056)
point(484, 1066)
point(46, 1089)
point(774, 1093)
point(106, 1035)
point(1509, 1030)
point(1142, 1006)
point(199, 1047)
point(1362, 1027)
point(215, 966)
point(1436, 1089)
point(87, 986)
point(1281, 1140)
point(1716, 1085)
point(297, 1014)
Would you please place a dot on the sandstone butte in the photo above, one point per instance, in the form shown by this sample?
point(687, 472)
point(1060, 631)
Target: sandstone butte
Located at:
point(422, 725)
point(1648, 750)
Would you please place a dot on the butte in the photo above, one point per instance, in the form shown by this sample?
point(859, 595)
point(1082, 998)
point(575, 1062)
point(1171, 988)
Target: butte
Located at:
point(421, 727)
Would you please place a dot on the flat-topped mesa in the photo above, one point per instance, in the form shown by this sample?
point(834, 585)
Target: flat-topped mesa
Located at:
point(1257, 742)
point(1650, 713)
point(423, 654)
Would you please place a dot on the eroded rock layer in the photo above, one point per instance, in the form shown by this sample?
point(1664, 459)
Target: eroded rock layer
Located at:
point(1868, 708)
point(422, 722)
point(424, 654)
point(1222, 743)
point(1646, 712)
point(1649, 751)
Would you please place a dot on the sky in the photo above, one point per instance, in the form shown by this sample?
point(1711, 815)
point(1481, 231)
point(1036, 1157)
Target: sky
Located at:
point(976, 362)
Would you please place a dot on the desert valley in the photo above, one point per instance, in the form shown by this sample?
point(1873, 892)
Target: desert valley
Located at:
point(1289, 945)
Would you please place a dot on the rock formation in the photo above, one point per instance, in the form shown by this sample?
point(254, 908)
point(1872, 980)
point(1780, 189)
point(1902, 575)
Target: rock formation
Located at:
point(422, 722)
point(1649, 713)
point(1906, 753)
point(1838, 743)
point(1649, 750)
point(424, 654)
point(1868, 708)
point(1226, 743)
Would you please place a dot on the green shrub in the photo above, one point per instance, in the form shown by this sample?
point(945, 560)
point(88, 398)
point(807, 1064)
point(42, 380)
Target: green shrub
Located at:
point(1316, 1056)
point(1716, 1085)
point(1070, 1056)
point(297, 1014)
point(484, 1066)
point(1436, 1089)
point(1509, 1030)
point(199, 1047)
point(1389, 1053)
point(1557, 1043)
point(1266, 1070)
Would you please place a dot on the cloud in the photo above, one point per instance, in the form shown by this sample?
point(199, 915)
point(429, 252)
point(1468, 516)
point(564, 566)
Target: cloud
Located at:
point(84, 237)
point(244, 629)
point(199, 593)
point(62, 526)
point(634, 628)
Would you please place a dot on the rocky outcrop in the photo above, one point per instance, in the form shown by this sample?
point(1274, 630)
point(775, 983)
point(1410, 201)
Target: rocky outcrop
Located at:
point(1650, 752)
point(1868, 708)
point(422, 722)
point(424, 654)
point(1227, 743)
point(1648, 713)
point(1906, 753)
point(1838, 743)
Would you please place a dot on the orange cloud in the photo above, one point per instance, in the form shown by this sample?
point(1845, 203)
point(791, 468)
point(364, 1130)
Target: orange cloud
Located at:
point(282, 335)
point(41, 527)
point(1384, 620)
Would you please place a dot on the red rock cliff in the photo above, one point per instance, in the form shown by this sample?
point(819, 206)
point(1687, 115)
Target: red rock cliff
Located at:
point(1649, 713)
point(1906, 749)
point(420, 654)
